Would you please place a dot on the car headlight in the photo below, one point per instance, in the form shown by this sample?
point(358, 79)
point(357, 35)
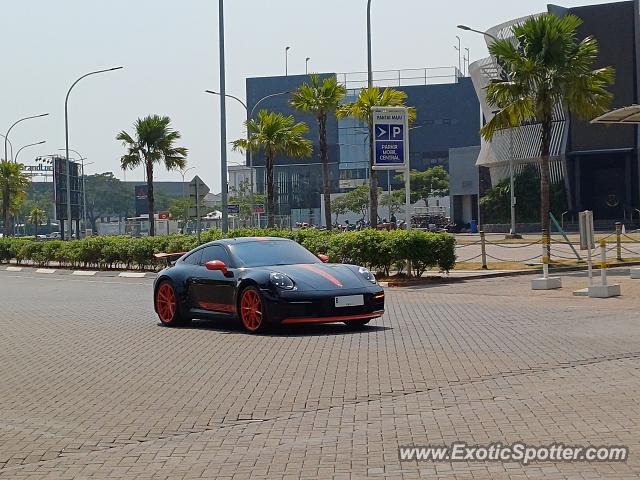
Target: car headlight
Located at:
point(282, 281)
point(368, 276)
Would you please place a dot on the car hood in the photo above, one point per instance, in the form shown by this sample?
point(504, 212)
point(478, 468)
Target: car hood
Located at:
point(321, 276)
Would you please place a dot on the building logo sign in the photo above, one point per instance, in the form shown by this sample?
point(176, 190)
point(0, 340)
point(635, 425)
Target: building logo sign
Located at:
point(37, 168)
point(391, 129)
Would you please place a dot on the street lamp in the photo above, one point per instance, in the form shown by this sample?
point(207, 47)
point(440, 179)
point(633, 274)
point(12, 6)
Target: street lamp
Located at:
point(286, 61)
point(223, 123)
point(6, 136)
point(306, 65)
point(459, 49)
point(466, 68)
point(511, 154)
point(66, 136)
point(27, 146)
point(184, 174)
point(249, 117)
point(10, 144)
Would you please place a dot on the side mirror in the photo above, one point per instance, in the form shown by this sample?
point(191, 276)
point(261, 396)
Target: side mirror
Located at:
point(324, 258)
point(217, 265)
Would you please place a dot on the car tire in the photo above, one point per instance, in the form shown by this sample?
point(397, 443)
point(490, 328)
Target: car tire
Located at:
point(167, 306)
point(251, 310)
point(357, 324)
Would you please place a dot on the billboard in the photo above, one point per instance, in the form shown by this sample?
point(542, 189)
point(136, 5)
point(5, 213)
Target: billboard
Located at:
point(142, 205)
point(60, 188)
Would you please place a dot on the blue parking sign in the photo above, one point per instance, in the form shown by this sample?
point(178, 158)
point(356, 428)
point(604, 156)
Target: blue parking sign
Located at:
point(391, 144)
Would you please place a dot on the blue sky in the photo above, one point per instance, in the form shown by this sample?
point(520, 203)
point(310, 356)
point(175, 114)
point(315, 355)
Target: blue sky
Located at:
point(170, 53)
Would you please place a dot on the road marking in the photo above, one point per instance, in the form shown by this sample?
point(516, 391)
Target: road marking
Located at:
point(14, 269)
point(84, 273)
point(132, 274)
point(48, 271)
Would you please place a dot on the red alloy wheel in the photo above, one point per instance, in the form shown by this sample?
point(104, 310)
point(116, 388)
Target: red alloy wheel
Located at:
point(251, 309)
point(166, 303)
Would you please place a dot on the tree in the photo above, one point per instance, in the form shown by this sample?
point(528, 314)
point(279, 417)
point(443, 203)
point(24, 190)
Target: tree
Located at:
point(496, 201)
point(275, 134)
point(357, 200)
point(394, 201)
point(179, 209)
point(545, 68)
point(13, 185)
point(433, 182)
point(107, 196)
point(321, 99)
point(37, 216)
point(339, 207)
point(154, 142)
point(361, 109)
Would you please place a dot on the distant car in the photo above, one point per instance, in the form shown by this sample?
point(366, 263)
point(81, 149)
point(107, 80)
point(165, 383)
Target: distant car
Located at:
point(265, 282)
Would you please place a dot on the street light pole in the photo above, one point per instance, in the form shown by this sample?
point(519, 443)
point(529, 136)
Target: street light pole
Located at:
point(223, 122)
point(27, 146)
point(286, 61)
point(249, 117)
point(306, 65)
point(369, 62)
point(6, 136)
point(459, 48)
point(66, 137)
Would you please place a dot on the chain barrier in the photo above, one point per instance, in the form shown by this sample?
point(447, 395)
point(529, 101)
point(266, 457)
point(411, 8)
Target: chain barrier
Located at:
point(469, 259)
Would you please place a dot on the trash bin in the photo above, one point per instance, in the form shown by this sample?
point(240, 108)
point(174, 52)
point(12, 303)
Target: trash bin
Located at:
point(473, 225)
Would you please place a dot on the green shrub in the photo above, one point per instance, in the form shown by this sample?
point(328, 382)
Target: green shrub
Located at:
point(377, 250)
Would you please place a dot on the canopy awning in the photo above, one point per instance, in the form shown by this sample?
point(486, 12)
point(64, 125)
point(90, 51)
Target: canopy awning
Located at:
point(625, 115)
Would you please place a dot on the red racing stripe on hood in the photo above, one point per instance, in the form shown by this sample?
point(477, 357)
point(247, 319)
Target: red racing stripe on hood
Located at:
point(323, 274)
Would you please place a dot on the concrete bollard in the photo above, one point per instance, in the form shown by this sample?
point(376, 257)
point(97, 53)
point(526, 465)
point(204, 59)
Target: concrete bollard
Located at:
point(605, 290)
point(546, 282)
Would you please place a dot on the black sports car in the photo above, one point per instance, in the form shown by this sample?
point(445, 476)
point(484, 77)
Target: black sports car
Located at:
point(265, 282)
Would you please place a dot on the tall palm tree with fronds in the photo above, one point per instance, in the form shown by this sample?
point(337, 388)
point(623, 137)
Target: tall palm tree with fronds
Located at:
point(546, 67)
point(37, 216)
point(275, 134)
point(154, 142)
point(13, 185)
point(321, 98)
point(361, 109)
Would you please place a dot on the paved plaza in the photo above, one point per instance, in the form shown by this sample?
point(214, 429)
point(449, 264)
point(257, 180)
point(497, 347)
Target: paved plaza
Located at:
point(92, 387)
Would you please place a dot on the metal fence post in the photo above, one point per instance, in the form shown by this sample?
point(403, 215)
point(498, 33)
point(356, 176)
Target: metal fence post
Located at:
point(618, 240)
point(483, 246)
point(603, 264)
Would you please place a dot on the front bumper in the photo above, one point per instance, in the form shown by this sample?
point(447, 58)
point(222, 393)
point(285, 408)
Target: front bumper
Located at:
point(288, 308)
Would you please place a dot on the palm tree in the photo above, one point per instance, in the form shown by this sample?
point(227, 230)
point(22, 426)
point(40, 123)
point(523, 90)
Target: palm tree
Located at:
point(275, 134)
point(36, 217)
point(13, 184)
point(546, 67)
point(154, 143)
point(321, 98)
point(361, 109)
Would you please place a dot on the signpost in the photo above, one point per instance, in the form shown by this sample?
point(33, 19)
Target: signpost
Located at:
point(197, 191)
point(391, 137)
point(233, 209)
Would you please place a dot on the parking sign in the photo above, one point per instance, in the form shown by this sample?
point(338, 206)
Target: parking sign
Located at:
point(391, 136)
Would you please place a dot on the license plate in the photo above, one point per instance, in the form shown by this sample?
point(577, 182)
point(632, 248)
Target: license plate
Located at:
point(350, 301)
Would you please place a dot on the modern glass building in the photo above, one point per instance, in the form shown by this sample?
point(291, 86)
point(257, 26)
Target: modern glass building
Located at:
point(447, 117)
point(598, 165)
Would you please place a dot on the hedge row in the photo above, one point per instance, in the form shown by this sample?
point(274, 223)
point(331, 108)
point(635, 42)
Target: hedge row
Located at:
point(378, 250)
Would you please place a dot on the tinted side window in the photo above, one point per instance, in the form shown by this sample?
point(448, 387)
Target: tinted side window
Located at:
point(214, 252)
point(194, 258)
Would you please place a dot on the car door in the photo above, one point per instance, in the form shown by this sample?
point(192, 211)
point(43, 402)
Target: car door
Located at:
point(213, 289)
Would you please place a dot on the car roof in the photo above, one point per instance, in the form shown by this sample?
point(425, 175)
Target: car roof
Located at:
point(232, 241)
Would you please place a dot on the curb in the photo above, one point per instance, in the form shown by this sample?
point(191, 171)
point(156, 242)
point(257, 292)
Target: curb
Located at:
point(80, 273)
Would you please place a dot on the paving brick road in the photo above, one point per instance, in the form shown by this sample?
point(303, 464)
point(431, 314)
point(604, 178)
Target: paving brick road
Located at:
point(92, 387)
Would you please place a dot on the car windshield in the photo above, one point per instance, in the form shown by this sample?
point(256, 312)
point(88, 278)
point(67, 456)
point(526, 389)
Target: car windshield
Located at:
point(271, 252)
